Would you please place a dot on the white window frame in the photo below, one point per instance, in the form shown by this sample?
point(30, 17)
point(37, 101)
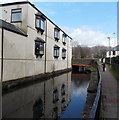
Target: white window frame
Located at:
point(63, 53)
point(16, 12)
point(64, 38)
point(40, 23)
point(39, 48)
point(56, 34)
point(56, 52)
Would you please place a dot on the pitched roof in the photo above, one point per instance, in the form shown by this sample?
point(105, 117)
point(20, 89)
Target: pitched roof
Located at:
point(39, 40)
point(56, 46)
point(11, 27)
point(116, 48)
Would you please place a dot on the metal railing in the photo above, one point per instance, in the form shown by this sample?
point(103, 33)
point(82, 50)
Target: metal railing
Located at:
point(97, 98)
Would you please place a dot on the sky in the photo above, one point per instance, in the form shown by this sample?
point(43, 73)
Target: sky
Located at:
point(88, 23)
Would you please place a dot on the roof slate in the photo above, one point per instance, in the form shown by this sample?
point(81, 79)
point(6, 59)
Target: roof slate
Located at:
point(11, 27)
point(39, 40)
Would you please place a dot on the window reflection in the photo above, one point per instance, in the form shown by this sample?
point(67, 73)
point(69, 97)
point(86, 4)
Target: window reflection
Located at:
point(38, 109)
point(55, 113)
point(56, 51)
point(63, 104)
point(56, 34)
point(39, 48)
point(55, 96)
point(63, 53)
point(16, 15)
point(40, 23)
point(63, 89)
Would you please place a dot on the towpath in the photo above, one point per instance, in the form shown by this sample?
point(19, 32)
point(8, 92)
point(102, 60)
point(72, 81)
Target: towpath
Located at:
point(109, 95)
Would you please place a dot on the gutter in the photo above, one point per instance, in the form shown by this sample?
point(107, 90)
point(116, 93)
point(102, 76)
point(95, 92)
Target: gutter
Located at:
point(2, 36)
point(45, 47)
point(2, 55)
point(67, 55)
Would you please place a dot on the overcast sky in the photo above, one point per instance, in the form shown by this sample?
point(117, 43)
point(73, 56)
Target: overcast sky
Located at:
point(88, 23)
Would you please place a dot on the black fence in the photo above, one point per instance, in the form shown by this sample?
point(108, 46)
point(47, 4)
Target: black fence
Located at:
point(114, 61)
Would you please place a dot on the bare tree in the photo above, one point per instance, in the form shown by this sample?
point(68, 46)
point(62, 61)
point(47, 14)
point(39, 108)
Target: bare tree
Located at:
point(81, 52)
point(99, 51)
point(89, 52)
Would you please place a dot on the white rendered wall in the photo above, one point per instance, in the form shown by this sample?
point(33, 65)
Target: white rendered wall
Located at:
point(6, 15)
point(116, 54)
point(19, 51)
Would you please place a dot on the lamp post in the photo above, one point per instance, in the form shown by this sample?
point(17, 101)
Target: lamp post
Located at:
point(109, 51)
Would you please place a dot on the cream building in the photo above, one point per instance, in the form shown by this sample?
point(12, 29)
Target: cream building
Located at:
point(31, 44)
point(113, 53)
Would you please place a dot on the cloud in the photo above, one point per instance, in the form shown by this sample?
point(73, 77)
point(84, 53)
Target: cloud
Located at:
point(80, 91)
point(85, 35)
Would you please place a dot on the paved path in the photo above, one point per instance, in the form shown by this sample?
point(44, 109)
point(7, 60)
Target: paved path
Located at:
point(109, 96)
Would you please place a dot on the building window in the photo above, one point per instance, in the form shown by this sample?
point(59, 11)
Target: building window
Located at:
point(63, 53)
point(64, 37)
point(56, 51)
point(40, 23)
point(39, 47)
point(114, 53)
point(16, 15)
point(55, 96)
point(109, 52)
point(56, 34)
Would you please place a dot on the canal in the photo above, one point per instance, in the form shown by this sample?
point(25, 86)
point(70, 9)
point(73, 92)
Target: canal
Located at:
point(63, 96)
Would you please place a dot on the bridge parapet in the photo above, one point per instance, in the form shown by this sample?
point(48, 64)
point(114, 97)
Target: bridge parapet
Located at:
point(89, 61)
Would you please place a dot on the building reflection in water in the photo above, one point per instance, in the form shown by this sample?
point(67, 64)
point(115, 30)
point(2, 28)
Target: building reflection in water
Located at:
point(49, 98)
point(38, 109)
point(79, 84)
point(46, 99)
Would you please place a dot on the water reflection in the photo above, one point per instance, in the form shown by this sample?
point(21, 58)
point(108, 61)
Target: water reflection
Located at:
point(38, 109)
point(48, 99)
point(78, 96)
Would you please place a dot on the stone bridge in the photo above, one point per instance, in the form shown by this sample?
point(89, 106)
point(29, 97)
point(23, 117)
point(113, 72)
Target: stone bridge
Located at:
point(80, 65)
point(84, 61)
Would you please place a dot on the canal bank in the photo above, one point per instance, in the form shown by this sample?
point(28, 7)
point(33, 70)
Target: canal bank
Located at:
point(9, 85)
point(93, 96)
point(58, 95)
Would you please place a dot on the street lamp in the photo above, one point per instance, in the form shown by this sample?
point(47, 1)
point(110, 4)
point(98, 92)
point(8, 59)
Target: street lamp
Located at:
point(109, 51)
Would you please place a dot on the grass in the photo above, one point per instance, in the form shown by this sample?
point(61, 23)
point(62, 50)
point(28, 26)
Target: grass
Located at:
point(92, 69)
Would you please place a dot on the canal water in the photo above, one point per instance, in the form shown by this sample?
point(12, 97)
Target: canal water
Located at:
point(63, 96)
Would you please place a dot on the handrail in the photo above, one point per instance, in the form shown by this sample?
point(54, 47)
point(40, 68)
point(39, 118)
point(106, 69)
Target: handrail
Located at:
point(95, 104)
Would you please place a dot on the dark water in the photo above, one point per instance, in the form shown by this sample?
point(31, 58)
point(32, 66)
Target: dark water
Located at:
point(59, 97)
